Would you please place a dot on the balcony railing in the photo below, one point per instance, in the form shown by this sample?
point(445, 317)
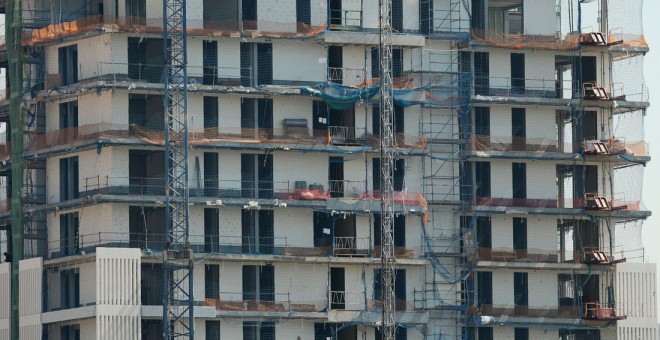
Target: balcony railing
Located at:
point(81, 244)
point(149, 186)
point(518, 41)
point(345, 20)
point(588, 203)
point(347, 76)
point(347, 300)
point(283, 302)
point(346, 188)
point(348, 135)
point(68, 136)
point(563, 312)
point(153, 73)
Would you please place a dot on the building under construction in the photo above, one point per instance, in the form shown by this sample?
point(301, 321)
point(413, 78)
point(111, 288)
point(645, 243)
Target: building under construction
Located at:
point(520, 153)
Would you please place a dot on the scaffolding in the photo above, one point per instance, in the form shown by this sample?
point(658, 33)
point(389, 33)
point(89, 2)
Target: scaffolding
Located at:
point(451, 92)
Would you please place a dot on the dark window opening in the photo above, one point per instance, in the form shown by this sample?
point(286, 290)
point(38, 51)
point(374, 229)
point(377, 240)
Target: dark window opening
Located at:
point(485, 333)
point(68, 64)
point(255, 330)
point(519, 181)
point(69, 234)
point(145, 60)
point(521, 334)
point(146, 226)
point(397, 63)
point(257, 176)
point(320, 118)
point(259, 283)
point(256, 64)
point(69, 178)
point(336, 14)
point(136, 12)
point(520, 237)
point(520, 293)
point(401, 333)
point(484, 290)
point(322, 229)
point(146, 111)
point(518, 129)
point(211, 179)
point(399, 229)
point(482, 177)
point(517, 73)
point(397, 15)
point(257, 231)
point(222, 15)
point(398, 176)
point(257, 117)
point(70, 332)
point(336, 174)
point(210, 62)
point(478, 18)
point(212, 281)
point(69, 288)
point(399, 287)
point(579, 334)
point(335, 64)
point(484, 237)
point(426, 17)
point(342, 127)
point(211, 230)
point(481, 73)
point(345, 241)
point(337, 288)
point(303, 13)
point(211, 116)
point(212, 330)
point(152, 329)
point(146, 172)
point(250, 14)
point(482, 121)
point(69, 115)
point(151, 284)
point(399, 120)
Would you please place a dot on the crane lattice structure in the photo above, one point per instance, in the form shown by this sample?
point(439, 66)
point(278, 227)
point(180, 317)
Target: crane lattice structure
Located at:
point(387, 145)
point(177, 258)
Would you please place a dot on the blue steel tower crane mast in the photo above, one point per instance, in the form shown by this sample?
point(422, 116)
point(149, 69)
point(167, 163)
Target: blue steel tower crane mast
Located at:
point(177, 258)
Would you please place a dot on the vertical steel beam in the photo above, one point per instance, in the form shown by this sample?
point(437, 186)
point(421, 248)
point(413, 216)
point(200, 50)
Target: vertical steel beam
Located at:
point(13, 28)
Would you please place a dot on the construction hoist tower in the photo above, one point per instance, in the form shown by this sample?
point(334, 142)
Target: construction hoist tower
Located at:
point(387, 145)
point(177, 257)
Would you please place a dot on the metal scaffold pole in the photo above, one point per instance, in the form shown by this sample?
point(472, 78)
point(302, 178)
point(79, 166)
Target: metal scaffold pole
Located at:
point(13, 27)
point(387, 145)
point(177, 259)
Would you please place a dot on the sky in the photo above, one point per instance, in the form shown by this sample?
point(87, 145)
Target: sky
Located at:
point(651, 191)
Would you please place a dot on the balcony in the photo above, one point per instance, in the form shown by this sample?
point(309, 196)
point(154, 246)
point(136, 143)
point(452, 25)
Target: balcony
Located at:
point(152, 73)
point(228, 189)
point(592, 148)
point(284, 303)
point(597, 311)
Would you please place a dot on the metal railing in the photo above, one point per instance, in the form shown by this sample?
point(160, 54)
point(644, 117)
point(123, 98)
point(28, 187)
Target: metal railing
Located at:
point(346, 188)
point(347, 76)
point(87, 243)
point(347, 134)
point(346, 300)
point(153, 73)
point(345, 20)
